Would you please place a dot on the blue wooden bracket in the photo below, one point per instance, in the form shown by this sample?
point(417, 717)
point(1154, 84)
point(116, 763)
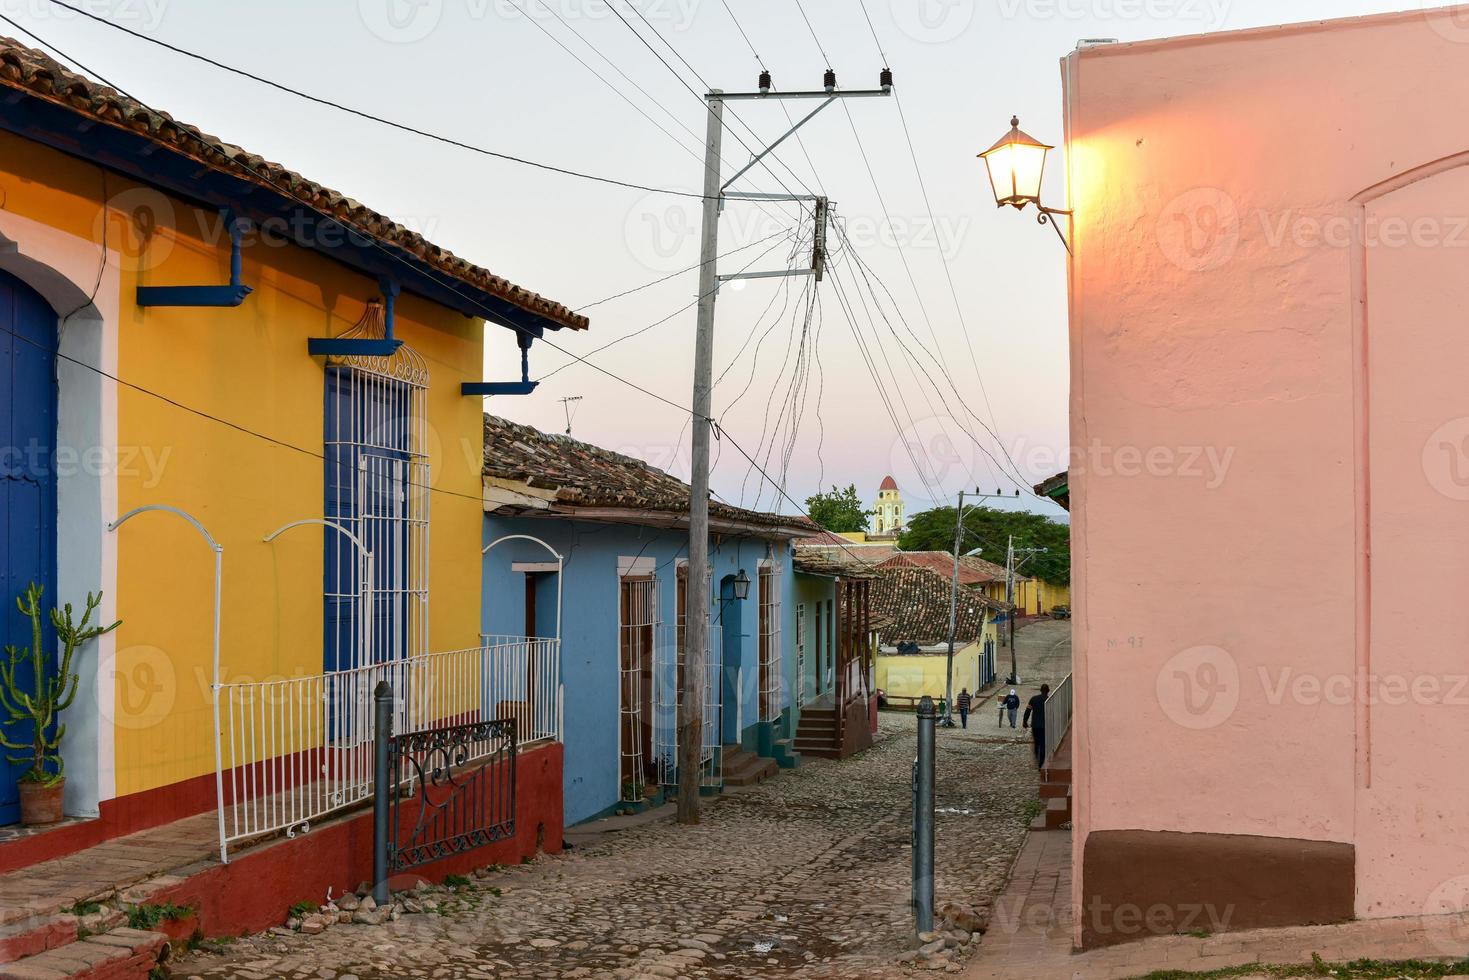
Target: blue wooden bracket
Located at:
point(522, 387)
point(385, 346)
point(232, 295)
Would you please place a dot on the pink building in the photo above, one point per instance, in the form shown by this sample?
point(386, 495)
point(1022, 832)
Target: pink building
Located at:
point(1270, 415)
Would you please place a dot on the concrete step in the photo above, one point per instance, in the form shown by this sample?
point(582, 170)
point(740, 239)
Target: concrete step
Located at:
point(121, 954)
point(27, 937)
point(1050, 791)
point(1057, 812)
point(741, 768)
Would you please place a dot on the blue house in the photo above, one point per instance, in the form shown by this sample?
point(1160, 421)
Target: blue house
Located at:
point(588, 549)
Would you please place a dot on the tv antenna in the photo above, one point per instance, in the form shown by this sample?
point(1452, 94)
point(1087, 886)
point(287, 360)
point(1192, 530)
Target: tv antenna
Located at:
point(567, 404)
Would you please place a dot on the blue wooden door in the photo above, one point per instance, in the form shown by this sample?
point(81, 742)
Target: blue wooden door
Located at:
point(27, 481)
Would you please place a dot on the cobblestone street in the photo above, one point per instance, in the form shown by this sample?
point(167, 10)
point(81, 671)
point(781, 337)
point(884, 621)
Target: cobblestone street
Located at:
point(806, 874)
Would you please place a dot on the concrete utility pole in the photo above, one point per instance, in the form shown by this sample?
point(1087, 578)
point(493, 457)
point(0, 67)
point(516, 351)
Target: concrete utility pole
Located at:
point(696, 611)
point(696, 615)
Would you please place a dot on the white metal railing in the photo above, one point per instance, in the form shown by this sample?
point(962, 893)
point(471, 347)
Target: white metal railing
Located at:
point(293, 750)
point(1058, 716)
point(772, 686)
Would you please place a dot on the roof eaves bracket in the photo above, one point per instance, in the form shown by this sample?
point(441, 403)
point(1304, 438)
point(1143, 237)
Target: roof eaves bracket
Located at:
point(385, 346)
point(231, 295)
point(522, 387)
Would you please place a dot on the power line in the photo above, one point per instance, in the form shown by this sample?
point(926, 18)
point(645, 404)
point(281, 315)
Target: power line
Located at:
point(672, 275)
point(813, 33)
point(371, 117)
point(488, 314)
point(642, 330)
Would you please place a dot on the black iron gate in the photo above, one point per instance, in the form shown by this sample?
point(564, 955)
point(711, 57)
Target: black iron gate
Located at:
point(458, 791)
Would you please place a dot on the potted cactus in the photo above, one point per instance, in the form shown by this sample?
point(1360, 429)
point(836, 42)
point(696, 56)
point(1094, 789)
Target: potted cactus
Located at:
point(29, 725)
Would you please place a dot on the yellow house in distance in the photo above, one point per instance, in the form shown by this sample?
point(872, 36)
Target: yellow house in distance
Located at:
point(913, 602)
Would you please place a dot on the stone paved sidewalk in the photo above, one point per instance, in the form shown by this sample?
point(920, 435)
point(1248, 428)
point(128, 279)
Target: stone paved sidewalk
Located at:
point(1030, 934)
point(806, 874)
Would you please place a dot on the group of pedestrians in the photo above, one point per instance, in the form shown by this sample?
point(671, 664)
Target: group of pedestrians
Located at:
point(1034, 719)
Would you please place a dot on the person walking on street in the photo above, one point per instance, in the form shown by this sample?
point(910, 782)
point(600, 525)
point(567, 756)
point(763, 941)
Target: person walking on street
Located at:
point(1011, 703)
point(964, 702)
point(1036, 707)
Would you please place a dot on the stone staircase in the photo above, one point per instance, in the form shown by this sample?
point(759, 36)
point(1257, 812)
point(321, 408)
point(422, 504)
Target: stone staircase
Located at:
point(741, 768)
point(816, 735)
point(1055, 790)
point(51, 947)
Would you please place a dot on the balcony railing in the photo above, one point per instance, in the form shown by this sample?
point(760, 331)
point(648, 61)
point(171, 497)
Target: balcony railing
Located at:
point(293, 751)
point(1058, 716)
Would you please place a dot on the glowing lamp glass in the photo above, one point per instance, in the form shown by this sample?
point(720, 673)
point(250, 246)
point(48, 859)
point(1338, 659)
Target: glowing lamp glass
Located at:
point(1016, 165)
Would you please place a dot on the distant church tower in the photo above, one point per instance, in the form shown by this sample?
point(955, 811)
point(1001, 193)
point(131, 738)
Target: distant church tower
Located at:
point(888, 517)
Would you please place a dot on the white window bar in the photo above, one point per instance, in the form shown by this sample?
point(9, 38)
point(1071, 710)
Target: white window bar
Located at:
point(637, 630)
point(671, 689)
point(772, 686)
point(379, 431)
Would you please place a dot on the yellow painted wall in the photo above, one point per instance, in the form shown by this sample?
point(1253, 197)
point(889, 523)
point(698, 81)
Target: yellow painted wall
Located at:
point(914, 675)
point(1053, 595)
point(249, 366)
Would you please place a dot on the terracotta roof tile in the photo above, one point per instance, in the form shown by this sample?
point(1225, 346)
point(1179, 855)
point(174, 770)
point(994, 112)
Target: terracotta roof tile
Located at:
point(916, 601)
point(582, 475)
point(31, 71)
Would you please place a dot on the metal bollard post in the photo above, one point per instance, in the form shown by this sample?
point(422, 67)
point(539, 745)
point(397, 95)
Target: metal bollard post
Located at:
point(382, 793)
point(923, 796)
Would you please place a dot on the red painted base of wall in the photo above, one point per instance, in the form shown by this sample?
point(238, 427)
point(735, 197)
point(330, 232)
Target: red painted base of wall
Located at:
point(253, 891)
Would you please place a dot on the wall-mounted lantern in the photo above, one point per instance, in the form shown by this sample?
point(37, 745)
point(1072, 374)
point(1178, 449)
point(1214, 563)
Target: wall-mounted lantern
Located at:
point(1016, 164)
point(741, 585)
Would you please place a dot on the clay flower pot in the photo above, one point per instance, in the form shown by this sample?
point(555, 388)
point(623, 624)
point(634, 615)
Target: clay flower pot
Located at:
point(40, 804)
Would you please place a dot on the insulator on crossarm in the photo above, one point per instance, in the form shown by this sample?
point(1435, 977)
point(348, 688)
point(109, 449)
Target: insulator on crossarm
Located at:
point(885, 80)
point(829, 80)
point(765, 83)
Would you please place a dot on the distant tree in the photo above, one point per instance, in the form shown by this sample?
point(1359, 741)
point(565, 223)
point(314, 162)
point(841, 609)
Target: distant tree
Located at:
point(839, 511)
point(990, 529)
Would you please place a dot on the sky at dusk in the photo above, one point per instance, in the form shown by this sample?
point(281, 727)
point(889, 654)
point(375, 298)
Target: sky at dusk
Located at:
point(958, 309)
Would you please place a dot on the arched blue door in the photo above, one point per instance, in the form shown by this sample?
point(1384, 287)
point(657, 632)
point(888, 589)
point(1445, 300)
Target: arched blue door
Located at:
point(27, 480)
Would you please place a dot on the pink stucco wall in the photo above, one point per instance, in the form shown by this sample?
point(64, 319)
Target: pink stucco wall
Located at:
point(1270, 373)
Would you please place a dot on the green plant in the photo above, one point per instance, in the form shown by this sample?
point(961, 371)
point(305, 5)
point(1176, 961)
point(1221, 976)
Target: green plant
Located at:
point(49, 696)
point(148, 916)
point(85, 908)
point(299, 910)
point(456, 881)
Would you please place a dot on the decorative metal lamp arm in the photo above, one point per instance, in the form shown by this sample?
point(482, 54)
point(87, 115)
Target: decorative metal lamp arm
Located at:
point(1047, 216)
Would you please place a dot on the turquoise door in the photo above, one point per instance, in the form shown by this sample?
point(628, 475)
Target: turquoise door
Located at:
point(731, 618)
point(27, 482)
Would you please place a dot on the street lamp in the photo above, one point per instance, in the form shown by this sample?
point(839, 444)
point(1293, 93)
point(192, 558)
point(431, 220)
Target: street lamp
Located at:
point(1016, 164)
point(741, 585)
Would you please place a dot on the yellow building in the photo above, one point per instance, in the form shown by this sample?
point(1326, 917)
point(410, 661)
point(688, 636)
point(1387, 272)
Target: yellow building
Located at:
point(913, 602)
point(179, 291)
point(888, 516)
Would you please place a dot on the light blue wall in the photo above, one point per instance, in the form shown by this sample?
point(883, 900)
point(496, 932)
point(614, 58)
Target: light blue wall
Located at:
point(589, 647)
